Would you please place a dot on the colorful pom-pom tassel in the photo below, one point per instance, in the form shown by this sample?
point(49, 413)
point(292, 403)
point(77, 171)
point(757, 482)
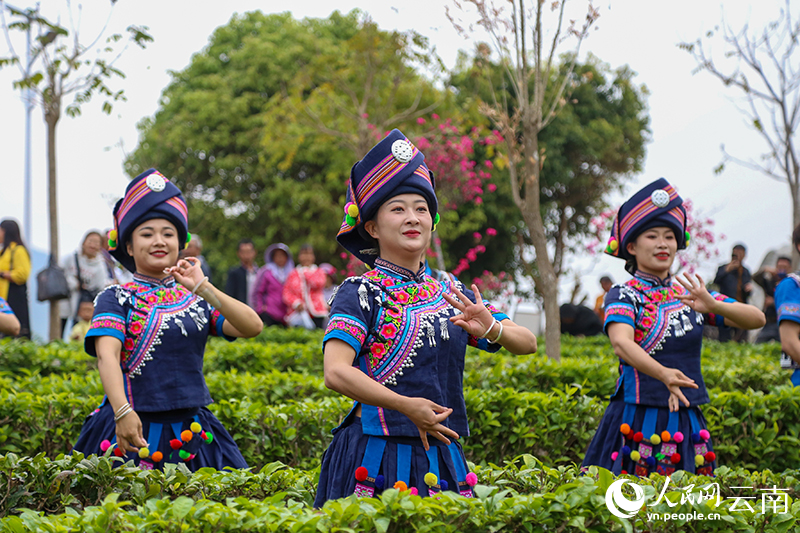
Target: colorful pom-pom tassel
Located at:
point(651, 461)
point(188, 237)
point(710, 457)
point(704, 434)
point(209, 437)
point(472, 479)
point(144, 453)
point(192, 456)
point(613, 245)
point(361, 473)
point(430, 479)
point(112, 238)
point(118, 452)
point(414, 491)
point(655, 439)
point(175, 444)
point(105, 445)
point(614, 456)
point(660, 456)
point(688, 238)
point(183, 454)
point(638, 437)
point(352, 210)
point(196, 427)
point(157, 457)
point(675, 458)
point(624, 473)
point(635, 456)
point(696, 438)
point(699, 460)
point(350, 221)
point(443, 483)
point(624, 429)
point(401, 486)
point(436, 219)
point(678, 437)
point(626, 450)
point(379, 481)
point(665, 436)
point(186, 435)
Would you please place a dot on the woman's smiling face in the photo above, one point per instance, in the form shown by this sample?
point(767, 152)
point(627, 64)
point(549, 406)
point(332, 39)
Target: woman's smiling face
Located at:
point(154, 247)
point(654, 250)
point(402, 226)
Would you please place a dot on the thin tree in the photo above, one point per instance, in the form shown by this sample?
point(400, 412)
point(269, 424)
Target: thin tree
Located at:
point(60, 65)
point(528, 48)
point(763, 65)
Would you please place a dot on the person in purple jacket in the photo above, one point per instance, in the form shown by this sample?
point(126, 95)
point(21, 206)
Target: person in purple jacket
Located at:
point(268, 290)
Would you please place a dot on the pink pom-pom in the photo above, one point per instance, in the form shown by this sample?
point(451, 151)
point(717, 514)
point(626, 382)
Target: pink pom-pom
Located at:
point(704, 434)
point(414, 491)
point(678, 437)
point(614, 456)
point(105, 445)
point(472, 479)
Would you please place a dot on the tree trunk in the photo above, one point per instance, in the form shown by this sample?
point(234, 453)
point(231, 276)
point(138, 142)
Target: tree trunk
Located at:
point(437, 246)
point(51, 118)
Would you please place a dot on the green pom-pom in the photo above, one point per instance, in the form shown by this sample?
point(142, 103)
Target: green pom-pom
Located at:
point(436, 219)
point(188, 237)
point(209, 437)
point(350, 220)
point(183, 454)
point(112, 243)
point(688, 238)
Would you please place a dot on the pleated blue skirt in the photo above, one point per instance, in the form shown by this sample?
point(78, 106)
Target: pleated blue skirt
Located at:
point(387, 460)
point(612, 450)
point(158, 430)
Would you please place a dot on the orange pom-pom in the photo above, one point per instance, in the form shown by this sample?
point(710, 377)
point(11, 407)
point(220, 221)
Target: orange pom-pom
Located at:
point(186, 435)
point(665, 436)
point(157, 456)
point(625, 429)
point(401, 486)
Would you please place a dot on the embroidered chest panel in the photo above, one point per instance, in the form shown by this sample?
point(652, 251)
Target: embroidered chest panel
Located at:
point(151, 312)
point(411, 318)
point(658, 314)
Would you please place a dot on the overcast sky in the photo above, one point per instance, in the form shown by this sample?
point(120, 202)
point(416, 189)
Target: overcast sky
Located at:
point(691, 115)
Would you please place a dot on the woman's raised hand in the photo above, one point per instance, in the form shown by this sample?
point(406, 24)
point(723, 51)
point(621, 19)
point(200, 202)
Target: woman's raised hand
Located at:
point(187, 272)
point(475, 318)
point(698, 297)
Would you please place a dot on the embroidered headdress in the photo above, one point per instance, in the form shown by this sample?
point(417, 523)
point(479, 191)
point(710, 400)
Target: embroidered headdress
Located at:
point(656, 205)
point(393, 166)
point(149, 195)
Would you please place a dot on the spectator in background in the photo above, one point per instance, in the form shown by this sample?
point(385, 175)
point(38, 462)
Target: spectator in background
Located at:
point(734, 281)
point(579, 321)
point(330, 281)
point(84, 322)
point(606, 283)
point(268, 291)
point(15, 267)
point(303, 292)
point(768, 279)
point(195, 249)
point(87, 274)
point(242, 279)
point(9, 325)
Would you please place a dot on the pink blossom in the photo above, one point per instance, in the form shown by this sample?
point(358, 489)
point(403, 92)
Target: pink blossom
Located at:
point(435, 116)
point(479, 200)
point(420, 120)
point(491, 232)
point(365, 115)
point(492, 187)
point(488, 164)
point(477, 236)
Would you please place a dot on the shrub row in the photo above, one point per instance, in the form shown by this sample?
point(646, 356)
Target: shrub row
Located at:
point(750, 429)
point(179, 501)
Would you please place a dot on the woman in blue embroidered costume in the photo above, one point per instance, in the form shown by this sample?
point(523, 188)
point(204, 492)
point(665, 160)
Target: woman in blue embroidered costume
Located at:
point(396, 339)
point(149, 337)
point(787, 302)
point(653, 422)
point(9, 325)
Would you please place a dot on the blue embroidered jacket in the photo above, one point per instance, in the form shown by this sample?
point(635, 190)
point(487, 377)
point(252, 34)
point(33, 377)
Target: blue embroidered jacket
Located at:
point(163, 329)
point(399, 325)
point(5, 309)
point(667, 329)
point(787, 302)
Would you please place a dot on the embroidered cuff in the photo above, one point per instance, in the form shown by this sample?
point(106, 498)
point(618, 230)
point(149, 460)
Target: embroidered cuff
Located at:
point(346, 329)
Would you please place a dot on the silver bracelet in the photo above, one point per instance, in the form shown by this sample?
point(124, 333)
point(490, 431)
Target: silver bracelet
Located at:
point(123, 414)
point(122, 408)
point(490, 328)
point(194, 291)
point(497, 339)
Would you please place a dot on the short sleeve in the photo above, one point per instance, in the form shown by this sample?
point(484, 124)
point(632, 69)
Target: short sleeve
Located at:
point(619, 307)
point(484, 344)
point(787, 300)
point(109, 318)
point(5, 309)
point(351, 313)
point(714, 319)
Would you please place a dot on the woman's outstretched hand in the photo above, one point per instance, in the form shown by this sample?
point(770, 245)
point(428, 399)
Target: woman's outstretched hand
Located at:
point(428, 417)
point(187, 272)
point(697, 297)
point(475, 318)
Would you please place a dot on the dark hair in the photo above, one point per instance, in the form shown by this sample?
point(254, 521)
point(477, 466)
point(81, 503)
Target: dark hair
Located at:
point(606, 278)
point(784, 258)
point(85, 297)
point(244, 241)
point(740, 246)
point(306, 248)
point(12, 233)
